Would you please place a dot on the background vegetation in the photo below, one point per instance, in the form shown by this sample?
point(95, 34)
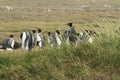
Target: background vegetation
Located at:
point(97, 61)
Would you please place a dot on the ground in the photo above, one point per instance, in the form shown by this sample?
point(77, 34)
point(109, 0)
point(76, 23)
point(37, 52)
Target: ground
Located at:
point(33, 12)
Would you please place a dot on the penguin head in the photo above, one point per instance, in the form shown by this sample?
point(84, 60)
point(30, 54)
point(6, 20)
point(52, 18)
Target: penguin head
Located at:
point(77, 34)
point(91, 32)
point(49, 33)
point(34, 31)
point(58, 32)
point(11, 36)
point(70, 24)
point(39, 30)
point(86, 31)
point(94, 32)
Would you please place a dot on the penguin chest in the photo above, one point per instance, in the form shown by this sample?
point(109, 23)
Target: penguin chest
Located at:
point(58, 41)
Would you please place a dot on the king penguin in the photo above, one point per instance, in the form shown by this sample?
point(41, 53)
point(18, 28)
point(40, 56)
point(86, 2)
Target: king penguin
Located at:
point(26, 40)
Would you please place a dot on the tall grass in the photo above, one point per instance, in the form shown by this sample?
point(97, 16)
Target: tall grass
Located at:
point(97, 61)
point(88, 61)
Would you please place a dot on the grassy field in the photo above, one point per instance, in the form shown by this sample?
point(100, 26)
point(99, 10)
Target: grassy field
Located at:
point(97, 61)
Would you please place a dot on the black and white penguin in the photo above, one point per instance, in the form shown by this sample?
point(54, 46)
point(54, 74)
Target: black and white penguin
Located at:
point(58, 38)
point(71, 33)
point(84, 35)
point(40, 39)
point(34, 36)
point(71, 28)
point(92, 36)
point(9, 44)
point(49, 38)
point(88, 35)
point(27, 40)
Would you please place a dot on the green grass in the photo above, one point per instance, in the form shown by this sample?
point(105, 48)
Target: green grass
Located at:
point(97, 61)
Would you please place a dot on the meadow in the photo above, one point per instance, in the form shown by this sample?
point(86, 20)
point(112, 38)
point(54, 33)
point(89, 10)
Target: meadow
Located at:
point(97, 61)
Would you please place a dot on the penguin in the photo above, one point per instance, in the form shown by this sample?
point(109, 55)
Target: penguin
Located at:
point(27, 40)
point(71, 28)
point(92, 36)
point(54, 39)
point(51, 39)
point(78, 39)
point(58, 38)
point(9, 44)
point(84, 35)
point(34, 36)
point(71, 33)
point(40, 39)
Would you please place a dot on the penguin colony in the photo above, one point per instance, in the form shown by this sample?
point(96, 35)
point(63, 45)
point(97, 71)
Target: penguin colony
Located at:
point(36, 38)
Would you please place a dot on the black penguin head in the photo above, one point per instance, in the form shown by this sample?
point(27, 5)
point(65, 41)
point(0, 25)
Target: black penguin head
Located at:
point(34, 31)
point(94, 32)
point(39, 30)
point(77, 34)
point(90, 34)
point(91, 31)
point(58, 32)
point(70, 24)
point(11, 36)
point(49, 33)
point(86, 31)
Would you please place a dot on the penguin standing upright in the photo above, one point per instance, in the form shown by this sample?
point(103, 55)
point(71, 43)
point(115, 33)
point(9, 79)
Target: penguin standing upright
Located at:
point(58, 40)
point(71, 32)
point(71, 28)
point(50, 40)
point(84, 35)
point(26, 40)
point(34, 36)
point(40, 39)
